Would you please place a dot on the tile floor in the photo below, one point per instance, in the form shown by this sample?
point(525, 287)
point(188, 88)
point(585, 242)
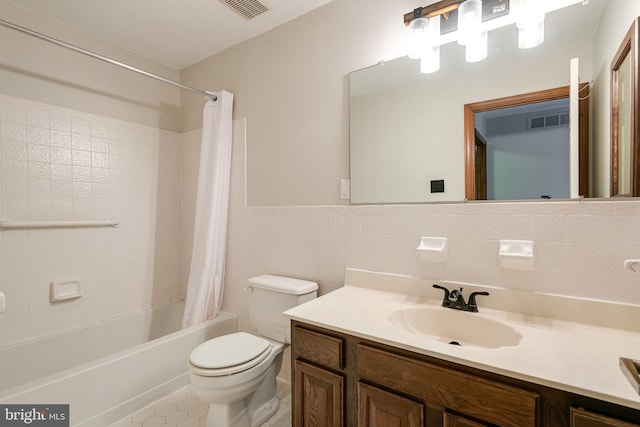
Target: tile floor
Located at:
point(183, 409)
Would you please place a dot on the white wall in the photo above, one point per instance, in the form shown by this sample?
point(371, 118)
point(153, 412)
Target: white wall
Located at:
point(529, 165)
point(290, 83)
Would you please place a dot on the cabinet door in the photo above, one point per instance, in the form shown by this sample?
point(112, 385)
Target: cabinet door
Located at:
point(378, 408)
point(582, 418)
point(451, 420)
point(318, 397)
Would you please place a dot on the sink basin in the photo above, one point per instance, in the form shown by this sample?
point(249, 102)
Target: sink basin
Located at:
point(455, 327)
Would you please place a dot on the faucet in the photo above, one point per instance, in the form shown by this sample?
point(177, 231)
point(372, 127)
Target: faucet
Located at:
point(454, 299)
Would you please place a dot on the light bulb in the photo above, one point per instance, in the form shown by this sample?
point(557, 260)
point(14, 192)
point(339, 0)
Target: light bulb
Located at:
point(530, 23)
point(419, 28)
point(476, 48)
point(469, 21)
point(430, 61)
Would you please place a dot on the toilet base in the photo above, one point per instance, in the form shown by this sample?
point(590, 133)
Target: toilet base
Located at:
point(261, 415)
point(236, 414)
point(252, 411)
point(228, 415)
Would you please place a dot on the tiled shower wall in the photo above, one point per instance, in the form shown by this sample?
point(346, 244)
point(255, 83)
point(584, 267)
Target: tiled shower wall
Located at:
point(60, 164)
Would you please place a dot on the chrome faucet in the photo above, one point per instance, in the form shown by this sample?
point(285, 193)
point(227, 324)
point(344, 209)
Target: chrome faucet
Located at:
point(454, 299)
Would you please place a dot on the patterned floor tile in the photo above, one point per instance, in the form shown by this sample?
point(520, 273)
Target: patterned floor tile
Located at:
point(183, 409)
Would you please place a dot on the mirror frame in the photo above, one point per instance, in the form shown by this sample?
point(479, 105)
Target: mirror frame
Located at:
point(628, 49)
point(523, 99)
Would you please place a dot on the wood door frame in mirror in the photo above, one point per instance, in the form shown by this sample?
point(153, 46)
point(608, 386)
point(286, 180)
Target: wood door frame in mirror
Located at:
point(524, 99)
point(628, 47)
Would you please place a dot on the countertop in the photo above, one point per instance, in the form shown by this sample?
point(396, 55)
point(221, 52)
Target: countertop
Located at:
point(572, 356)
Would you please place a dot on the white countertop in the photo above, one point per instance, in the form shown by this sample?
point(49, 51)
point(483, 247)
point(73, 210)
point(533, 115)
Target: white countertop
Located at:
point(570, 356)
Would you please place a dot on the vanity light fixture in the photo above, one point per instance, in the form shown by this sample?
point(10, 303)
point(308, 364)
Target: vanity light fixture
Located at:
point(468, 22)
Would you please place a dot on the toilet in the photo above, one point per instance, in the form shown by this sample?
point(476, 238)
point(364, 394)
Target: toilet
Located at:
point(236, 373)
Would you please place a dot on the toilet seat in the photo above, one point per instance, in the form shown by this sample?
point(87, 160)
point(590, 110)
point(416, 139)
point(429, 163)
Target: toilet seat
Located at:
point(228, 354)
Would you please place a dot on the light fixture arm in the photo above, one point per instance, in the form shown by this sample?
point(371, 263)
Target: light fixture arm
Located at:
point(439, 8)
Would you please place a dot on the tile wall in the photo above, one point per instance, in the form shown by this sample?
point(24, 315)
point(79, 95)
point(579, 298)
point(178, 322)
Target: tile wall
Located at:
point(60, 164)
point(580, 247)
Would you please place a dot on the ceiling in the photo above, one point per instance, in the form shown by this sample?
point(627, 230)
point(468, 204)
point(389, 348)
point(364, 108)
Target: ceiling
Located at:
point(176, 33)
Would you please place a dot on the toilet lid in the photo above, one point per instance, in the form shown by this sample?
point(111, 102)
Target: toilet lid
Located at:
point(229, 351)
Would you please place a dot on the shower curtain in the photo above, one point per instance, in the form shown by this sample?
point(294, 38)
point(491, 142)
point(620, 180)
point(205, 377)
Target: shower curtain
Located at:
point(206, 275)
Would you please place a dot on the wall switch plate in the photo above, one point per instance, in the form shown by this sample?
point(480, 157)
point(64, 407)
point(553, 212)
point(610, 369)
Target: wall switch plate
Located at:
point(345, 189)
point(3, 302)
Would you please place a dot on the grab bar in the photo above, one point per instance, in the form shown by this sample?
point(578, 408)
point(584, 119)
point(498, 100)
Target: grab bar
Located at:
point(10, 225)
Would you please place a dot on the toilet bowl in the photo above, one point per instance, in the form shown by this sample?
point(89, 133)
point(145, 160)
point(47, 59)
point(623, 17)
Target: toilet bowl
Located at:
point(240, 388)
point(236, 373)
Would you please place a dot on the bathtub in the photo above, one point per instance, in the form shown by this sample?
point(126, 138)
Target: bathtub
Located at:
point(109, 370)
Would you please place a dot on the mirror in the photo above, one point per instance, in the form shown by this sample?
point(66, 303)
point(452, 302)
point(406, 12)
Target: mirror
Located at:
point(407, 128)
point(624, 120)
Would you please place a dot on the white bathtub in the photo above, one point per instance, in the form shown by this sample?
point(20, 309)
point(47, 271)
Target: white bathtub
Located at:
point(109, 370)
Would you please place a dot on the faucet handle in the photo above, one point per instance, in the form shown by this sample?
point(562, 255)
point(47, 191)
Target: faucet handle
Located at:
point(445, 301)
point(472, 305)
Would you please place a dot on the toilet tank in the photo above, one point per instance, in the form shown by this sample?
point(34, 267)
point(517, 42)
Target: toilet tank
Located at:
point(270, 296)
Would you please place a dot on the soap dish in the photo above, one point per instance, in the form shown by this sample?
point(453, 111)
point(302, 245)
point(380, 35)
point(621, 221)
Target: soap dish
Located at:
point(516, 254)
point(433, 249)
point(631, 370)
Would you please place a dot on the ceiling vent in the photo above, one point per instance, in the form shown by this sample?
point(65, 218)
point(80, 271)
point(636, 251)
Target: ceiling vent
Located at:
point(246, 8)
point(550, 120)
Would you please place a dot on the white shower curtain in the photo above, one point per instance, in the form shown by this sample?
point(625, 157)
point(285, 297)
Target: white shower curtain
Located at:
point(206, 275)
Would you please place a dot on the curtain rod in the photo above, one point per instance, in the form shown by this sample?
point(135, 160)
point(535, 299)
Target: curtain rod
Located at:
point(104, 58)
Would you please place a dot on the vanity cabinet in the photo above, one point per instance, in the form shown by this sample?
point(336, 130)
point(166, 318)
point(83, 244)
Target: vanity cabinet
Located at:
point(340, 379)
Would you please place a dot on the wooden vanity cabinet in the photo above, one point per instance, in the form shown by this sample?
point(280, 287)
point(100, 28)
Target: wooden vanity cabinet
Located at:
point(339, 379)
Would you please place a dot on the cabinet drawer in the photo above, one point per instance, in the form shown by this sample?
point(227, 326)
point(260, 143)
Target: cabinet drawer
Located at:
point(582, 418)
point(447, 388)
point(318, 348)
